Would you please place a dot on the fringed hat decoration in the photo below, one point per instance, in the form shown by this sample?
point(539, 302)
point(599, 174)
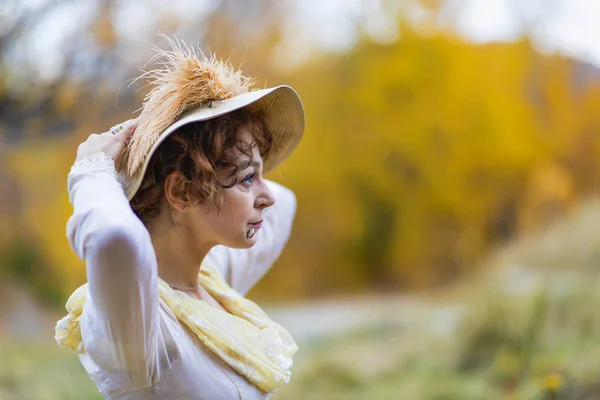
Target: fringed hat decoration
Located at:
point(190, 87)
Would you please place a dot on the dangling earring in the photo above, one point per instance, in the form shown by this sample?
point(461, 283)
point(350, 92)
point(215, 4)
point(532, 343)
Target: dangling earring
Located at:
point(185, 208)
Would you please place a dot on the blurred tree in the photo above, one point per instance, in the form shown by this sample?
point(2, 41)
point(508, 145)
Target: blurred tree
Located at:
point(431, 151)
point(419, 156)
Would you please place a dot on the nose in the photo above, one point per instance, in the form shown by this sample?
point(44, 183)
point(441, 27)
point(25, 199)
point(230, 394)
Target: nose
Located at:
point(265, 198)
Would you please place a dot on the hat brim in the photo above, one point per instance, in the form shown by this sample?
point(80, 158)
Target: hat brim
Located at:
point(283, 116)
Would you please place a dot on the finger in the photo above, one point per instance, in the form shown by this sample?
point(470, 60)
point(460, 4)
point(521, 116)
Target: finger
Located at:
point(123, 128)
point(130, 122)
point(129, 128)
point(125, 135)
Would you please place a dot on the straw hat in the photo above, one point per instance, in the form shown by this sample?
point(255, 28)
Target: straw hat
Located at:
point(191, 87)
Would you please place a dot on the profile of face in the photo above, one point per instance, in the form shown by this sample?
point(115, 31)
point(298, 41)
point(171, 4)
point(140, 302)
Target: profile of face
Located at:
point(238, 221)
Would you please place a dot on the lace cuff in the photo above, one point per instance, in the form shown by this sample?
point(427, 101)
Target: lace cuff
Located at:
point(96, 162)
point(99, 162)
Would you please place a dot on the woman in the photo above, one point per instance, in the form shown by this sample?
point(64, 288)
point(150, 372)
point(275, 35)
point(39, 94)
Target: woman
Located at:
point(176, 223)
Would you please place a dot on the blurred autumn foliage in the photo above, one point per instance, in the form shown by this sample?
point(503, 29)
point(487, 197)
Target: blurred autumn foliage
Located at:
point(420, 155)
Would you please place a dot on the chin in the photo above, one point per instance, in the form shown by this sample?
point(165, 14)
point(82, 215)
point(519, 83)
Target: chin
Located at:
point(242, 243)
point(248, 243)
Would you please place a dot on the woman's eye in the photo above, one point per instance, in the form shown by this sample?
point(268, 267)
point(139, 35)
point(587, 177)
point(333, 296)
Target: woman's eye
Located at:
point(248, 180)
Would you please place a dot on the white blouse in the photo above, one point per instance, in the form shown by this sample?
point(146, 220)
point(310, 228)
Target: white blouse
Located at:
point(136, 348)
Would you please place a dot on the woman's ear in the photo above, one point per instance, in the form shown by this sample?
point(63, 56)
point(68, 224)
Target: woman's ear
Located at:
point(175, 191)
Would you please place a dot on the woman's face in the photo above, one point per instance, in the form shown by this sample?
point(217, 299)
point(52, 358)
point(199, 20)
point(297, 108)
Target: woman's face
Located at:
point(243, 204)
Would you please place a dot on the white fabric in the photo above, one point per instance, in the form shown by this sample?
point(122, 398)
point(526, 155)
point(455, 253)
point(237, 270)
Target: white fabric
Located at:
point(136, 348)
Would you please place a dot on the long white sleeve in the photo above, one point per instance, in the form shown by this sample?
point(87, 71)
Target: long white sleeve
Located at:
point(120, 320)
point(243, 268)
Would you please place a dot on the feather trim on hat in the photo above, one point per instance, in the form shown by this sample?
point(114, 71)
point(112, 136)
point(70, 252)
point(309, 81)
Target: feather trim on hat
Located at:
point(186, 79)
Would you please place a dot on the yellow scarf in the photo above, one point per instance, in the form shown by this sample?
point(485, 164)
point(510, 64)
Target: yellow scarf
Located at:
point(246, 338)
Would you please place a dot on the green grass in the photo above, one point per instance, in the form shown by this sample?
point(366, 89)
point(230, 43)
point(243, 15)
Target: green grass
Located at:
point(30, 371)
point(530, 346)
point(538, 344)
point(405, 366)
point(527, 346)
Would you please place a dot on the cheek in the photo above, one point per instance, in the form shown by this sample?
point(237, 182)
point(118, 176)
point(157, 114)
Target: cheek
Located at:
point(237, 209)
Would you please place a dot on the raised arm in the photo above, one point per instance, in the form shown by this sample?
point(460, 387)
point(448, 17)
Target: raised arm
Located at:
point(119, 325)
point(243, 268)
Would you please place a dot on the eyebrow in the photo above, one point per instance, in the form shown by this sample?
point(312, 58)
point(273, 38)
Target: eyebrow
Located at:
point(245, 163)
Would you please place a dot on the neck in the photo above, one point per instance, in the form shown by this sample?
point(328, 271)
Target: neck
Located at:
point(179, 256)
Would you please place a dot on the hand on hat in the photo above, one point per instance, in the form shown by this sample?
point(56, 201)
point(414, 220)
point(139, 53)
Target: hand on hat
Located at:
point(112, 143)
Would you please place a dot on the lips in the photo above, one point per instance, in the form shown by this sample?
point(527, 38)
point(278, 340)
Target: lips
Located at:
point(256, 225)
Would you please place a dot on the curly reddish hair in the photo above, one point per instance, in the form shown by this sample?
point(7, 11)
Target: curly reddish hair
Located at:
point(197, 150)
